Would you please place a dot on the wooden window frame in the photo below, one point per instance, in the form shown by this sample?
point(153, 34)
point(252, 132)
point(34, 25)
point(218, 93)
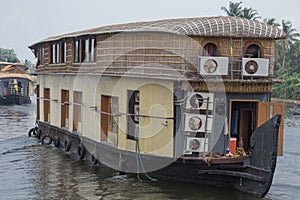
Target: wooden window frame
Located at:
point(77, 109)
point(85, 50)
point(47, 108)
point(65, 98)
point(38, 102)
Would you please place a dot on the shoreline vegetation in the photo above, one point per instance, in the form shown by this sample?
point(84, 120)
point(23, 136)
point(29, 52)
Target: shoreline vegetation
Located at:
point(287, 53)
point(290, 101)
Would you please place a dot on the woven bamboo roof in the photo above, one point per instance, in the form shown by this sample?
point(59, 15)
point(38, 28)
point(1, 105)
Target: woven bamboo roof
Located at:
point(221, 26)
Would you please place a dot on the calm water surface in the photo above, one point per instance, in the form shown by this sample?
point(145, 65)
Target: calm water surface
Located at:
point(29, 170)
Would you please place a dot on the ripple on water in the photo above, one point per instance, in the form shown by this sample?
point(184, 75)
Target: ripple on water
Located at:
point(29, 170)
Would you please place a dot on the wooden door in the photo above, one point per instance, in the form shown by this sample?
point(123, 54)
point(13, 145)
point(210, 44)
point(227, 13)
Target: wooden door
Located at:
point(105, 117)
point(245, 127)
point(46, 104)
point(278, 108)
point(266, 110)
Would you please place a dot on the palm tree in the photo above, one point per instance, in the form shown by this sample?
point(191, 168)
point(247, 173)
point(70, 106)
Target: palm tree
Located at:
point(234, 9)
point(271, 21)
point(250, 13)
point(291, 34)
point(291, 37)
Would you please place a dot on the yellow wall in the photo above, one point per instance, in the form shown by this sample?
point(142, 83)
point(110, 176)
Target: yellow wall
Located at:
point(156, 99)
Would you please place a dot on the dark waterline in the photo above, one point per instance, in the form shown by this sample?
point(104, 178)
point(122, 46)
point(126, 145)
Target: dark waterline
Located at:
point(29, 170)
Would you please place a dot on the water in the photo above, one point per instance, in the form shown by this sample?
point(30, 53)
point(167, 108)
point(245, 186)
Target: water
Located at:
point(29, 170)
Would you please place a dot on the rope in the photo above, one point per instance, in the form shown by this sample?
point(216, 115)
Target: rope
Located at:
point(139, 161)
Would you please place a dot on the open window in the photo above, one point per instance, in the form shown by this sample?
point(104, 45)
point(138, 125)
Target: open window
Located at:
point(210, 49)
point(253, 51)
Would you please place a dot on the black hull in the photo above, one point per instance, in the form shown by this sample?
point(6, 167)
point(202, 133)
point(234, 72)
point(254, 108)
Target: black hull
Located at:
point(252, 174)
point(14, 100)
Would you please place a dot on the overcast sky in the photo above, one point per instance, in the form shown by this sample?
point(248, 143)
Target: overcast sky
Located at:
point(24, 22)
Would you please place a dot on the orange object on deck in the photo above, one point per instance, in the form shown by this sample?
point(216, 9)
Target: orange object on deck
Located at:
point(232, 145)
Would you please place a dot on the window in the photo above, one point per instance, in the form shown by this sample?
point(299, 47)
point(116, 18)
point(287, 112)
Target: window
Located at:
point(93, 50)
point(38, 102)
point(210, 49)
point(63, 52)
point(58, 53)
point(133, 102)
point(109, 118)
point(40, 56)
point(253, 51)
point(76, 51)
point(85, 50)
point(77, 102)
point(64, 108)
point(46, 104)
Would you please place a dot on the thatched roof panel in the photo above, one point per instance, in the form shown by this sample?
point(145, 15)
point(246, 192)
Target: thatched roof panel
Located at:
point(222, 26)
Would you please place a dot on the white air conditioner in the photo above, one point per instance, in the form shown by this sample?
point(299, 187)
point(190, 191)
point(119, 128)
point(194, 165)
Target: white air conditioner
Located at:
point(196, 122)
point(199, 101)
point(255, 66)
point(213, 66)
point(195, 145)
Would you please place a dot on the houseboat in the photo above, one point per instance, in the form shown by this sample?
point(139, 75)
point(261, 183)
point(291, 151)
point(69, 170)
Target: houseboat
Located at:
point(176, 100)
point(16, 86)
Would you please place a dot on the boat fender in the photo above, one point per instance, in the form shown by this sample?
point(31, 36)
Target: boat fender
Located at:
point(67, 145)
point(81, 150)
point(50, 139)
point(56, 141)
point(32, 132)
point(93, 159)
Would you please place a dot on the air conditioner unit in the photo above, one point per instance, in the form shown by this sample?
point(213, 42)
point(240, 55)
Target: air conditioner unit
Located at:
point(255, 66)
point(199, 101)
point(196, 122)
point(195, 145)
point(213, 66)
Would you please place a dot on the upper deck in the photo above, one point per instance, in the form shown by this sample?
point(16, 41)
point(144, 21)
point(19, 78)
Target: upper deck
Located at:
point(166, 49)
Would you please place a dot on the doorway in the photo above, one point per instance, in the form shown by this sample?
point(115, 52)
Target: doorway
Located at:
point(243, 118)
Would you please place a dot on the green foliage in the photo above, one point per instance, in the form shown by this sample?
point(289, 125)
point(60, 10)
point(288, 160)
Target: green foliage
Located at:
point(287, 52)
point(289, 89)
point(8, 55)
point(236, 9)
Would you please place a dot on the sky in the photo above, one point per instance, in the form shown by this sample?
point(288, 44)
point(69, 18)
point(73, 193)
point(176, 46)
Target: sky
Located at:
point(24, 22)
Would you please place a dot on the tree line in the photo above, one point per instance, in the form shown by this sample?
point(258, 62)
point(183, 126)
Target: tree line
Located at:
point(287, 51)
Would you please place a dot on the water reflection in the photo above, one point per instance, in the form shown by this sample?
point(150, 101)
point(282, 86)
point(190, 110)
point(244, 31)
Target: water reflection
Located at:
point(29, 170)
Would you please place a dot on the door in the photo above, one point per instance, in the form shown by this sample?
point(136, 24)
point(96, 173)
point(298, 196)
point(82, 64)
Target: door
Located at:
point(243, 117)
point(105, 117)
point(266, 110)
point(46, 104)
